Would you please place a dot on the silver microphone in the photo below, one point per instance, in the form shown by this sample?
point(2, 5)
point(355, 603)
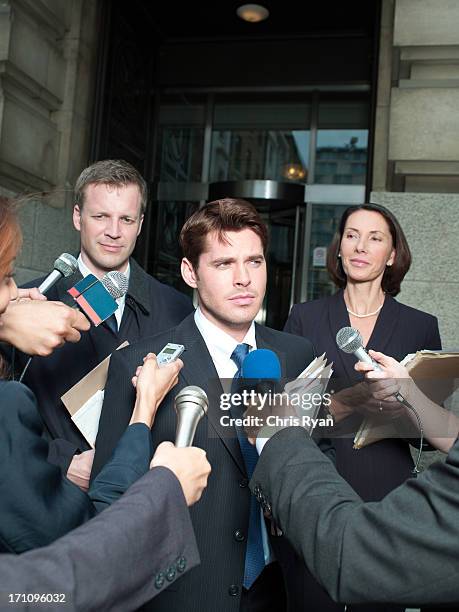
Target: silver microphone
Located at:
point(350, 340)
point(65, 265)
point(190, 405)
point(116, 283)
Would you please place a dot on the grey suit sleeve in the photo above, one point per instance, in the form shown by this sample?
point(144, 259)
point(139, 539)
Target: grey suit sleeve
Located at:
point(117, 561)
point(400, 550)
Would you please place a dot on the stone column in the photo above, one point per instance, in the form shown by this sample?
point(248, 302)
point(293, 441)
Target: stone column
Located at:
point(417, 148)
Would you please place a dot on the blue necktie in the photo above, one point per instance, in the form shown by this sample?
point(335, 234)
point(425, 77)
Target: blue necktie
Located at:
point(254, 555)
point(112, 323)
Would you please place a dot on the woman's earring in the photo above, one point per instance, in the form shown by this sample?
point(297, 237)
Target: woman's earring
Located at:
point(339, 254)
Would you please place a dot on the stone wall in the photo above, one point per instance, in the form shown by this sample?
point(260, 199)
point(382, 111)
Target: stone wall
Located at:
point(431, 224)
point(47, 70)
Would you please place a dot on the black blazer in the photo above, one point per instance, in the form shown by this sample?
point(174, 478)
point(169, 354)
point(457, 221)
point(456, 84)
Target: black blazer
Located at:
point(37, 503)
point(376, 469)
point(151, 307)
point(224, 507)
point(399, 330)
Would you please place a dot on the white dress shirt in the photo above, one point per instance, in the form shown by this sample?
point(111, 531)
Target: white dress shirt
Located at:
point(221, 346)
point(120, 301)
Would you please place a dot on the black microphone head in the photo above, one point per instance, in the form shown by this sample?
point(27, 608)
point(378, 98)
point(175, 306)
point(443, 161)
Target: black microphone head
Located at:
point(192, 394)
point(66, 264)
point(116, 283)
point(349, 339)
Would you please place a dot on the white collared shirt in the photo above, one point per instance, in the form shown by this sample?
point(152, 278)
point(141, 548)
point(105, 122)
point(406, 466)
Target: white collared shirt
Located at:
point(120, 301)
point(221, 346)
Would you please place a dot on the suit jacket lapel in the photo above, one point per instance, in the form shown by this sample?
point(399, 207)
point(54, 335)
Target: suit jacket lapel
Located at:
point(264, 342)
point(385, 325)
point(339, 318)
point(199, 370)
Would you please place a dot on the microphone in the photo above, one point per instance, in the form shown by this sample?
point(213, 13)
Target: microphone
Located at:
point(263, 368)
point(96, 298)
point(350, 340)
point(116, 283)
point(191, 405)
point(65, 265)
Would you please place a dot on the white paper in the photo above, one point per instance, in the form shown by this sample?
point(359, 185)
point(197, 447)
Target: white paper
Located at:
point(88, 416)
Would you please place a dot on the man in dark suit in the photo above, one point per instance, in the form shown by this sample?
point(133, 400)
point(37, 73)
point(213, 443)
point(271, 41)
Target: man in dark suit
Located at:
point(224, 244)
point(110, 201)
point(101, 565)
point(401, 550)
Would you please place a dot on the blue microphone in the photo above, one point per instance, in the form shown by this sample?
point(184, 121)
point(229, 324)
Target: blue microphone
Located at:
point(263, 369)
point(97, 298)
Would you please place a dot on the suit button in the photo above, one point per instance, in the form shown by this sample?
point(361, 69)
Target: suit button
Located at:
point(181, 564)
point(243, 483)
point(233, 590)
point(170, 574)
point(239, 535)
point(159, 580)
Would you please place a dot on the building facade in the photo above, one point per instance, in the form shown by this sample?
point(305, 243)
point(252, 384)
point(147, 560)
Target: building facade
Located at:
point(358, 104)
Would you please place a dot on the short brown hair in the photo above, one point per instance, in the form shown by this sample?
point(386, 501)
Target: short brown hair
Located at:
point(10, 233)
point(115, 172)
point(220, 216)
point(393, 274)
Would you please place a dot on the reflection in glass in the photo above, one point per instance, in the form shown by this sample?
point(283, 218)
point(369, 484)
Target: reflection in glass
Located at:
point(260, 141)
point(325, 221)
point(167, 255)
point(341, 157)
point(181, 139)
point(280, 218)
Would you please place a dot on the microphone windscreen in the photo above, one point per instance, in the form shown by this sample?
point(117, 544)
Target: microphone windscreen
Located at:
point(193, 395)
point(349, 339)
point(116, 283)
point(66, 264)
point(261, 364)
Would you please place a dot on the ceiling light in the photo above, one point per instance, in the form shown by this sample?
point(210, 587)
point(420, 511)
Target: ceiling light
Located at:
point(252, 12)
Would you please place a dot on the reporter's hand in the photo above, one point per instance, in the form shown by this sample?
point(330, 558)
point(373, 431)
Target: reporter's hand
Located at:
point(384, 384)
point(152, 384)
point(190, 466)
point(38, 327)
point(79, 471)
point(32, 293)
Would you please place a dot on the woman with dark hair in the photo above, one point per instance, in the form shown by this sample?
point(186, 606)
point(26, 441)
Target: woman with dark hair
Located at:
point(367, 260)
point(37, 503)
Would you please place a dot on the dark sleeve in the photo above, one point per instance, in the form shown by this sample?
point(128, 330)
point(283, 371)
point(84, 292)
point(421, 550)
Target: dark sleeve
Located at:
point(61, 452)
point(293, 323)
point(433, 340)
point(38, 504)
point(149, 529)
point(400, 550)
point(130, 460)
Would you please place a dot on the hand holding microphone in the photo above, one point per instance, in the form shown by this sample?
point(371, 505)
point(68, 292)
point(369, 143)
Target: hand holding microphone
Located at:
point(349, 340)
point(387, 380)
point(189, 465)
point(38, 327)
